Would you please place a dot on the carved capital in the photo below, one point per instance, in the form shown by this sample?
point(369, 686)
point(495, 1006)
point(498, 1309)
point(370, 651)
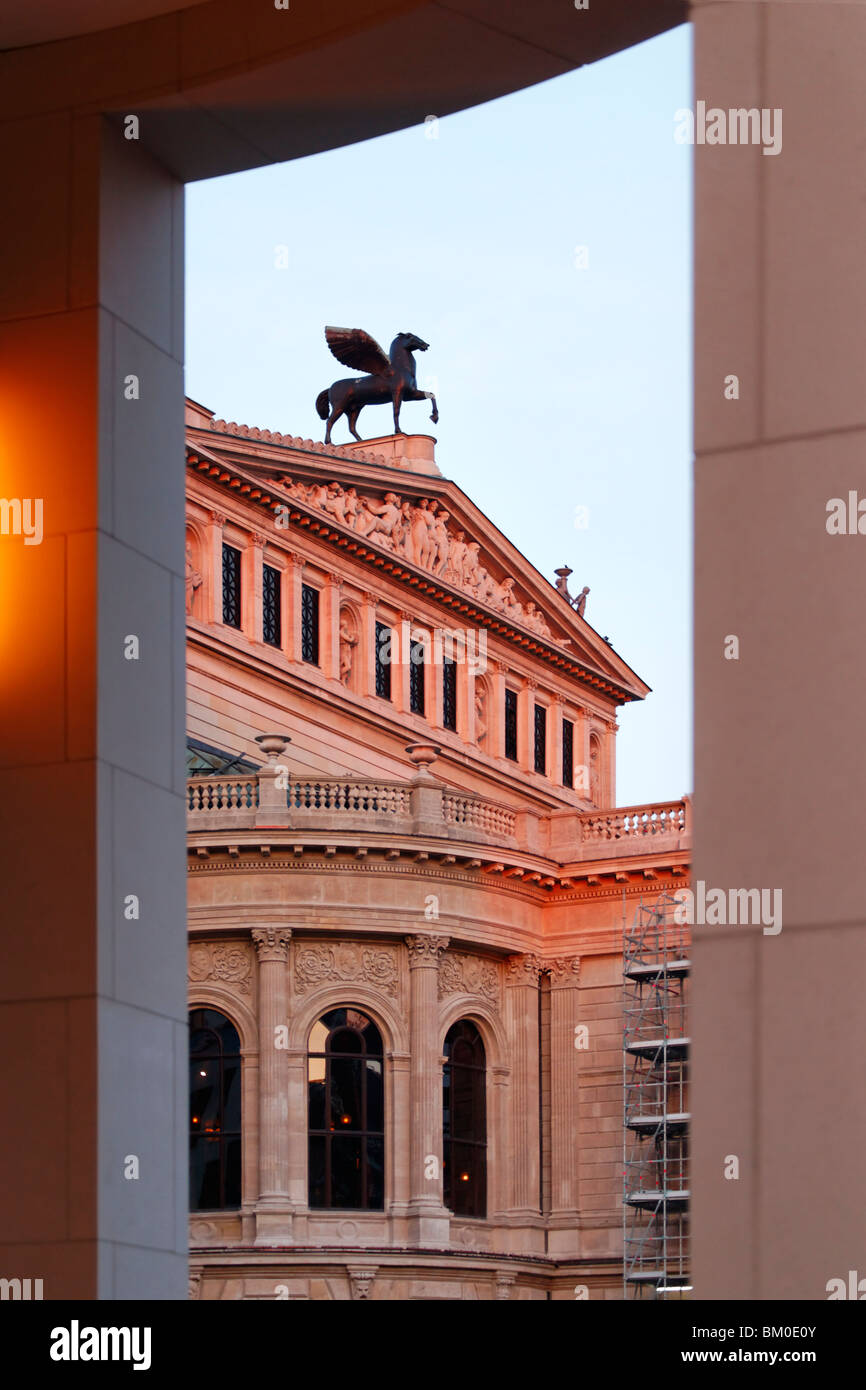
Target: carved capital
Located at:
point(217, 518)
point(504, 1282)
point(272, 943)
point(335, 580)
point(522, 970)
point(258, 540)
point(563, 970)
point(425, 950)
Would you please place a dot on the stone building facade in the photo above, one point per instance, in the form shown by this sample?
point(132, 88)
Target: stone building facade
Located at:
point(407, 886)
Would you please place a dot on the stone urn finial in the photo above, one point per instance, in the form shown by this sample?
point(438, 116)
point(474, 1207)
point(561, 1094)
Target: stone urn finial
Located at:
point(423, 755)
point(273, 744)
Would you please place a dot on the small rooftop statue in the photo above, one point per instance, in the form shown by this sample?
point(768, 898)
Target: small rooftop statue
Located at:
point(579, 603)
point(390, 378)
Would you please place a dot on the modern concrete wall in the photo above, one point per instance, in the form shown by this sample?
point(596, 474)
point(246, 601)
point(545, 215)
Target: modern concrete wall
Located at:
point(780, 286)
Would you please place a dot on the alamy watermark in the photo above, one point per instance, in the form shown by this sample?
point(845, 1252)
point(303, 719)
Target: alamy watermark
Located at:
point(737, 126)
point(731, 907)
point(463, 646)
point(22, 516)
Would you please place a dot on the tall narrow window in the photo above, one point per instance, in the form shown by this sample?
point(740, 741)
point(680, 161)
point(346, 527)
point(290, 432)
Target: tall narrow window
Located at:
point(449, 693)
point(511, 724)
point(416, 677)
point(567, 753)
point(383, 661)
point(464, 1121)
point(540, 739)
point(214, 1112)
point(231, 586)
point(346, 1110)
point(272, 605)
point(310, 624)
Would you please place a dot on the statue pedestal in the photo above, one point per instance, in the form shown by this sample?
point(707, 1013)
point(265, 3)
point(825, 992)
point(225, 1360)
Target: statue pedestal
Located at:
point(413, 452)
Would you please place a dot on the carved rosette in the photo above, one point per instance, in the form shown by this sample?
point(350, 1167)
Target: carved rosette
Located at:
point(466, 974)
point(229, 961)
point(272, 943)
point(346, 961)
point(425, 950)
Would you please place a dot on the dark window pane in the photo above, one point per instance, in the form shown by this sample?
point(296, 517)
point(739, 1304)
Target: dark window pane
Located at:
point(215, 1112)
point(567, 753)
point(310, 624)
point(231, 586)
point(383, 661)
point(346, 1107)
point(272, 605)
point(375, 1096)
point(316, 1160)
point(464, 1121)
point(346, 1158)
point(511, 724)
point(416, 678)
point(375, 1173)
point(540, 739)
point(449, 694)
point(317, 1105)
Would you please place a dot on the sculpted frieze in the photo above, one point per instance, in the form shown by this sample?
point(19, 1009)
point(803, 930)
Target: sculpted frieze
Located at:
point(465, 974)
point(421, 532)
point(373, 965)
point(228, 961)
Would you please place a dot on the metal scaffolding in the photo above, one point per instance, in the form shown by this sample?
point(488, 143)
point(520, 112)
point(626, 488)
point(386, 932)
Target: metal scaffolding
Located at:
point(655, 1103)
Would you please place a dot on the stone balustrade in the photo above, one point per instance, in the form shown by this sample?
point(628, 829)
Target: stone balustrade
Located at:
point(426, 807)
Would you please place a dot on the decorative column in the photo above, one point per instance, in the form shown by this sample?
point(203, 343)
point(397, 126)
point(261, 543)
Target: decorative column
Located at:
point(526, 724)
point(429, 1221)
point(565, 1060)
point(329, 627)
point(273, 1212)
point(521, 1004)
point(213, 568)
point(555, 713)
point(366, 649)
point(293, 578)
point(494, 743)
point(252, 597)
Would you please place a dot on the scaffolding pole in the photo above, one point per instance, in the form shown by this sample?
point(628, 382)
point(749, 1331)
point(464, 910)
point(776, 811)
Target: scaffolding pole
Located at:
point(656, 969)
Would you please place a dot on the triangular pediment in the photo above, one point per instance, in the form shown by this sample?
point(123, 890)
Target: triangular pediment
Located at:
point(424, 524)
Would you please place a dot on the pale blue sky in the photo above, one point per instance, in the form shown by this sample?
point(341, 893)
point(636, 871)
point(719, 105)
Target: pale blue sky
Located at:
point(558, 387)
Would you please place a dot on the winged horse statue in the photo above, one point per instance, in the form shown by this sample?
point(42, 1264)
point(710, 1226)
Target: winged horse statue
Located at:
point(390, 378)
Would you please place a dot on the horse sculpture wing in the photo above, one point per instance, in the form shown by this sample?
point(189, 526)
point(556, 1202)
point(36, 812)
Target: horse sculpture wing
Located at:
point(355, 348)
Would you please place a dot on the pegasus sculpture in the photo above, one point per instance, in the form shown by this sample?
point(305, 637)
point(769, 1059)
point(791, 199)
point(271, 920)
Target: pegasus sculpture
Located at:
point(390, 378)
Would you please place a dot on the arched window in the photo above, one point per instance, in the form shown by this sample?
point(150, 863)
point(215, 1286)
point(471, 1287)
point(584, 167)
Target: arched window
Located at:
point(464, 1121)
point(346, 1112)
point(214, 1112)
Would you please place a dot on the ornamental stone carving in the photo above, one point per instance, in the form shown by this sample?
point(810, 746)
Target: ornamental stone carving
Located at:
point(229, 961)
point(562, 969)
point(465, 974)
point(523, 970)
point(425, 950)
point(420, 531)
point(272, 943)
point(361, 1280)
point(372, 965)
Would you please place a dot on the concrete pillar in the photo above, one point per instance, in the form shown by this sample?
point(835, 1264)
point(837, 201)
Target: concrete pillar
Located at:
point(214, 567)
point(779, 1026)
point(521, 1006)
point(428, 1218)
point(366, 648)
point(273, 1211)
point(92, 816)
